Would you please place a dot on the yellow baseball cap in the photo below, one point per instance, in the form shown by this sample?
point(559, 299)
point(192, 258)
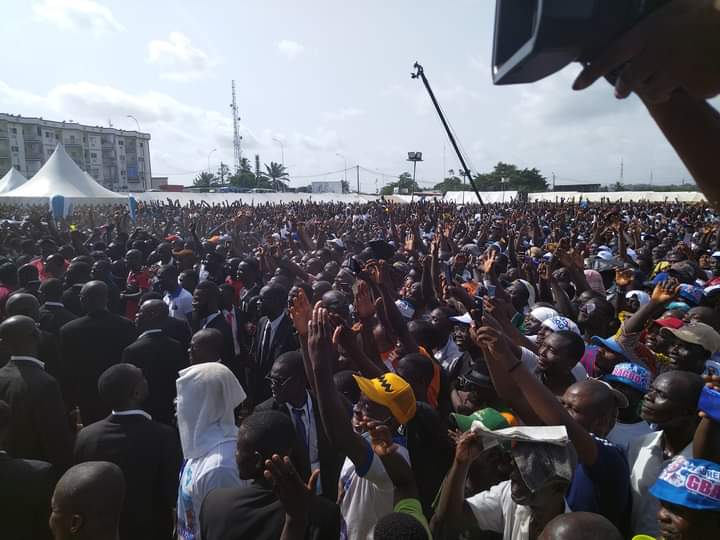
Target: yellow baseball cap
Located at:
point(391, 391)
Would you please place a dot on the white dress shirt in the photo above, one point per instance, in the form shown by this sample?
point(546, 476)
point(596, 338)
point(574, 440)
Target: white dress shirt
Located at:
point(132, 412)
point(31, 359)
point(310, 429)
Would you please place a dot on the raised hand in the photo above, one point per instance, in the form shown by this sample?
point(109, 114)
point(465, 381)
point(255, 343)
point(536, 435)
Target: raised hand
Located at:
point(300, 311)
point(380, 438)
point(468, 448)
point(544, 272)
point(664, 292)
point(364, 306)
point(489, 261)
point(320, 333)
point(623, 278)
point(288, 487)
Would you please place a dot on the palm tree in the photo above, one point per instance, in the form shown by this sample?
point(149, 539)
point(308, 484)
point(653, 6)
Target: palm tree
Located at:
point(204, 179)
point(277, 173)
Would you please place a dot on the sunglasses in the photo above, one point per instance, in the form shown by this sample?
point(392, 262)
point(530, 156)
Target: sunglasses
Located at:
point(278, 383)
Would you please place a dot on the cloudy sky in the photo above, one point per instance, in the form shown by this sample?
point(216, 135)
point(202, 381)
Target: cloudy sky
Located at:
point(326, 77)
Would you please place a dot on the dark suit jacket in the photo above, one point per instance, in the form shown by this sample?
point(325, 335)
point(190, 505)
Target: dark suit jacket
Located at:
point(149, 455)
point(160, 357)
point(52, 318)
point(227, 356)
point(179, 330)
point(283, 341)
point(39, 427)
point(331, 461)
point(254, 512)
point(88, 346)
point(27, 486)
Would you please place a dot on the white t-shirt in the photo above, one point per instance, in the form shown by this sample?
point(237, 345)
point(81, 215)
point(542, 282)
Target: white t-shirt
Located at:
point(495, 511)
point(622, 434)
point(645, 457)
point(530, 360)
point(180, 306)
point(366, 498)
point(199, 476)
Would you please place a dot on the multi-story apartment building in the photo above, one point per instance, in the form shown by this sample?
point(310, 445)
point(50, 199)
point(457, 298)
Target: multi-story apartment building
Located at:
point(115, 158)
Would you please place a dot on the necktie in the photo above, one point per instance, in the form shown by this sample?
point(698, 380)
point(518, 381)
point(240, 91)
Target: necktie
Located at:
point(299, 415)
point(265, 343)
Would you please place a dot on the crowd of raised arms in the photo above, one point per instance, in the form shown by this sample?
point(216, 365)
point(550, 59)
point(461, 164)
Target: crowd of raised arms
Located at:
point(378, 370)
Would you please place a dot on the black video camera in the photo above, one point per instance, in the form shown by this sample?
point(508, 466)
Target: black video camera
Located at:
point(536, 38)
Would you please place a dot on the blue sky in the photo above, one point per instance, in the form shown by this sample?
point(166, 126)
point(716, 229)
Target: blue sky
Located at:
point(325, 77)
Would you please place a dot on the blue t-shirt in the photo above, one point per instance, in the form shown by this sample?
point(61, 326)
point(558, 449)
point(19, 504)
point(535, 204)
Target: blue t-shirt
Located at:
point(603, 487)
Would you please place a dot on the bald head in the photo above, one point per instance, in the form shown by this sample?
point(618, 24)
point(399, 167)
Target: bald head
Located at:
point(23, 304)
point(122, 387)
point(580, 526)
point(87, 502)
point(153, 314)
point(94, 296)
point(19, 335)
point(593, 404)
point(206, 346)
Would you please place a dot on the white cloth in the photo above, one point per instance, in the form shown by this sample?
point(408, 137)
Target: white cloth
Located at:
point(530, 360)
point(622, 434)
point(541, 314)
point(645, 457)
point(199, 476)
point(366, 498)
point(229, 315)
point(495, 510)
point(180, 305)
point(207, 395)
point(310, 430)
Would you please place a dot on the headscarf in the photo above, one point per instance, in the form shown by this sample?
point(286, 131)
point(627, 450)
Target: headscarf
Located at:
point(207, 395)
point(530, 290)
point(541, 314)
point(642, 297)
point(556, 324)
point(595, 281)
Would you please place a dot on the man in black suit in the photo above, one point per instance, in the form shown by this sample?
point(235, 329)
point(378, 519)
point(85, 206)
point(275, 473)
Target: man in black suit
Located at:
point(255, 511)
point(274, 336)
point(53, 314)
point(206, 314)
point(25, 489)
point(39, 427)
point(147, 452)
point(160, 358)
point(178, 329)
point(88, 346)
point(290, 396)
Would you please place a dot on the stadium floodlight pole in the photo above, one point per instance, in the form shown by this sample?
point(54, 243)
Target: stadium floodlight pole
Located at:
point(420, 74)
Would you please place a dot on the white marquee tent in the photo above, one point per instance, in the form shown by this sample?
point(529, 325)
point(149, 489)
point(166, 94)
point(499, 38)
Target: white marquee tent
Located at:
point(12, 179)
point(61, 176)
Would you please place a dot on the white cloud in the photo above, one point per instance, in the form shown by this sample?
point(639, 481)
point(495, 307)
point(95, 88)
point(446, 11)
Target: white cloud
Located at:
point(342, 114)
point(179, 58)
point(290, 49)
point(78, 14)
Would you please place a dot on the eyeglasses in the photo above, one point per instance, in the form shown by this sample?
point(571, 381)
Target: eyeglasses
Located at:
point(463, 383)
point(278, 383)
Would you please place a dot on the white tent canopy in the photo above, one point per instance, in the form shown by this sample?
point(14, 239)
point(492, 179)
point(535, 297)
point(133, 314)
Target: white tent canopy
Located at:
point(61, 176)
point(12, 179)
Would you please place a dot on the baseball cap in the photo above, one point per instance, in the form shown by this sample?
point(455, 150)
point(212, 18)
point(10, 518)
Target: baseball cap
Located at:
point(669, 322)
point(697, 333)
point(690, 293)
point(465, 318)
point(716, 254)
point(682, 306)
point(556, 324)
point(632, 375)
point(613, 345)
point(690, 483)
point(492, 419)
point(391, 391)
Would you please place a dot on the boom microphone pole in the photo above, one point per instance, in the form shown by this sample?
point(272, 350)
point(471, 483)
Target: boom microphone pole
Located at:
point(420, 74)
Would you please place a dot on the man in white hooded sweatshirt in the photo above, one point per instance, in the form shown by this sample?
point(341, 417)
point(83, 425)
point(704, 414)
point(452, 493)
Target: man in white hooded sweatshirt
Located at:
point(207, 395)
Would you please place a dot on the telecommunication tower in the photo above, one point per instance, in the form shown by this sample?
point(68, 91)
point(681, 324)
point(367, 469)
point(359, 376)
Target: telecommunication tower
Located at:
point(236, 130)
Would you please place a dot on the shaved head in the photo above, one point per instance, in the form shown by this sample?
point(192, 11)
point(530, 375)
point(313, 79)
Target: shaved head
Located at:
point(206, 346)
point(152, 314)
point(580, 526)
point(94, 296)
point(87, 502)
point(23, 304)
point(19, 334)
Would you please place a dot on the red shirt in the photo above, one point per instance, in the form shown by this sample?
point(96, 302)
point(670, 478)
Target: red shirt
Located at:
point(136, 281)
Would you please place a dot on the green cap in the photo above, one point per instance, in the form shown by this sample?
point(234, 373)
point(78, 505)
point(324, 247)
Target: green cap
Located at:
point(490, 418)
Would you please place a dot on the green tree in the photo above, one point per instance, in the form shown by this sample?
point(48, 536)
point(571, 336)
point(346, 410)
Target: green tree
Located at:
point(452, 183)
point(245, 177)
point(204, 179)
point(516, 179)
point(277, 176)
point(404, 182)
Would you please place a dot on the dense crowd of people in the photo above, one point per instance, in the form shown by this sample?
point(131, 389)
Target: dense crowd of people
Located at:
point(378, 370)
